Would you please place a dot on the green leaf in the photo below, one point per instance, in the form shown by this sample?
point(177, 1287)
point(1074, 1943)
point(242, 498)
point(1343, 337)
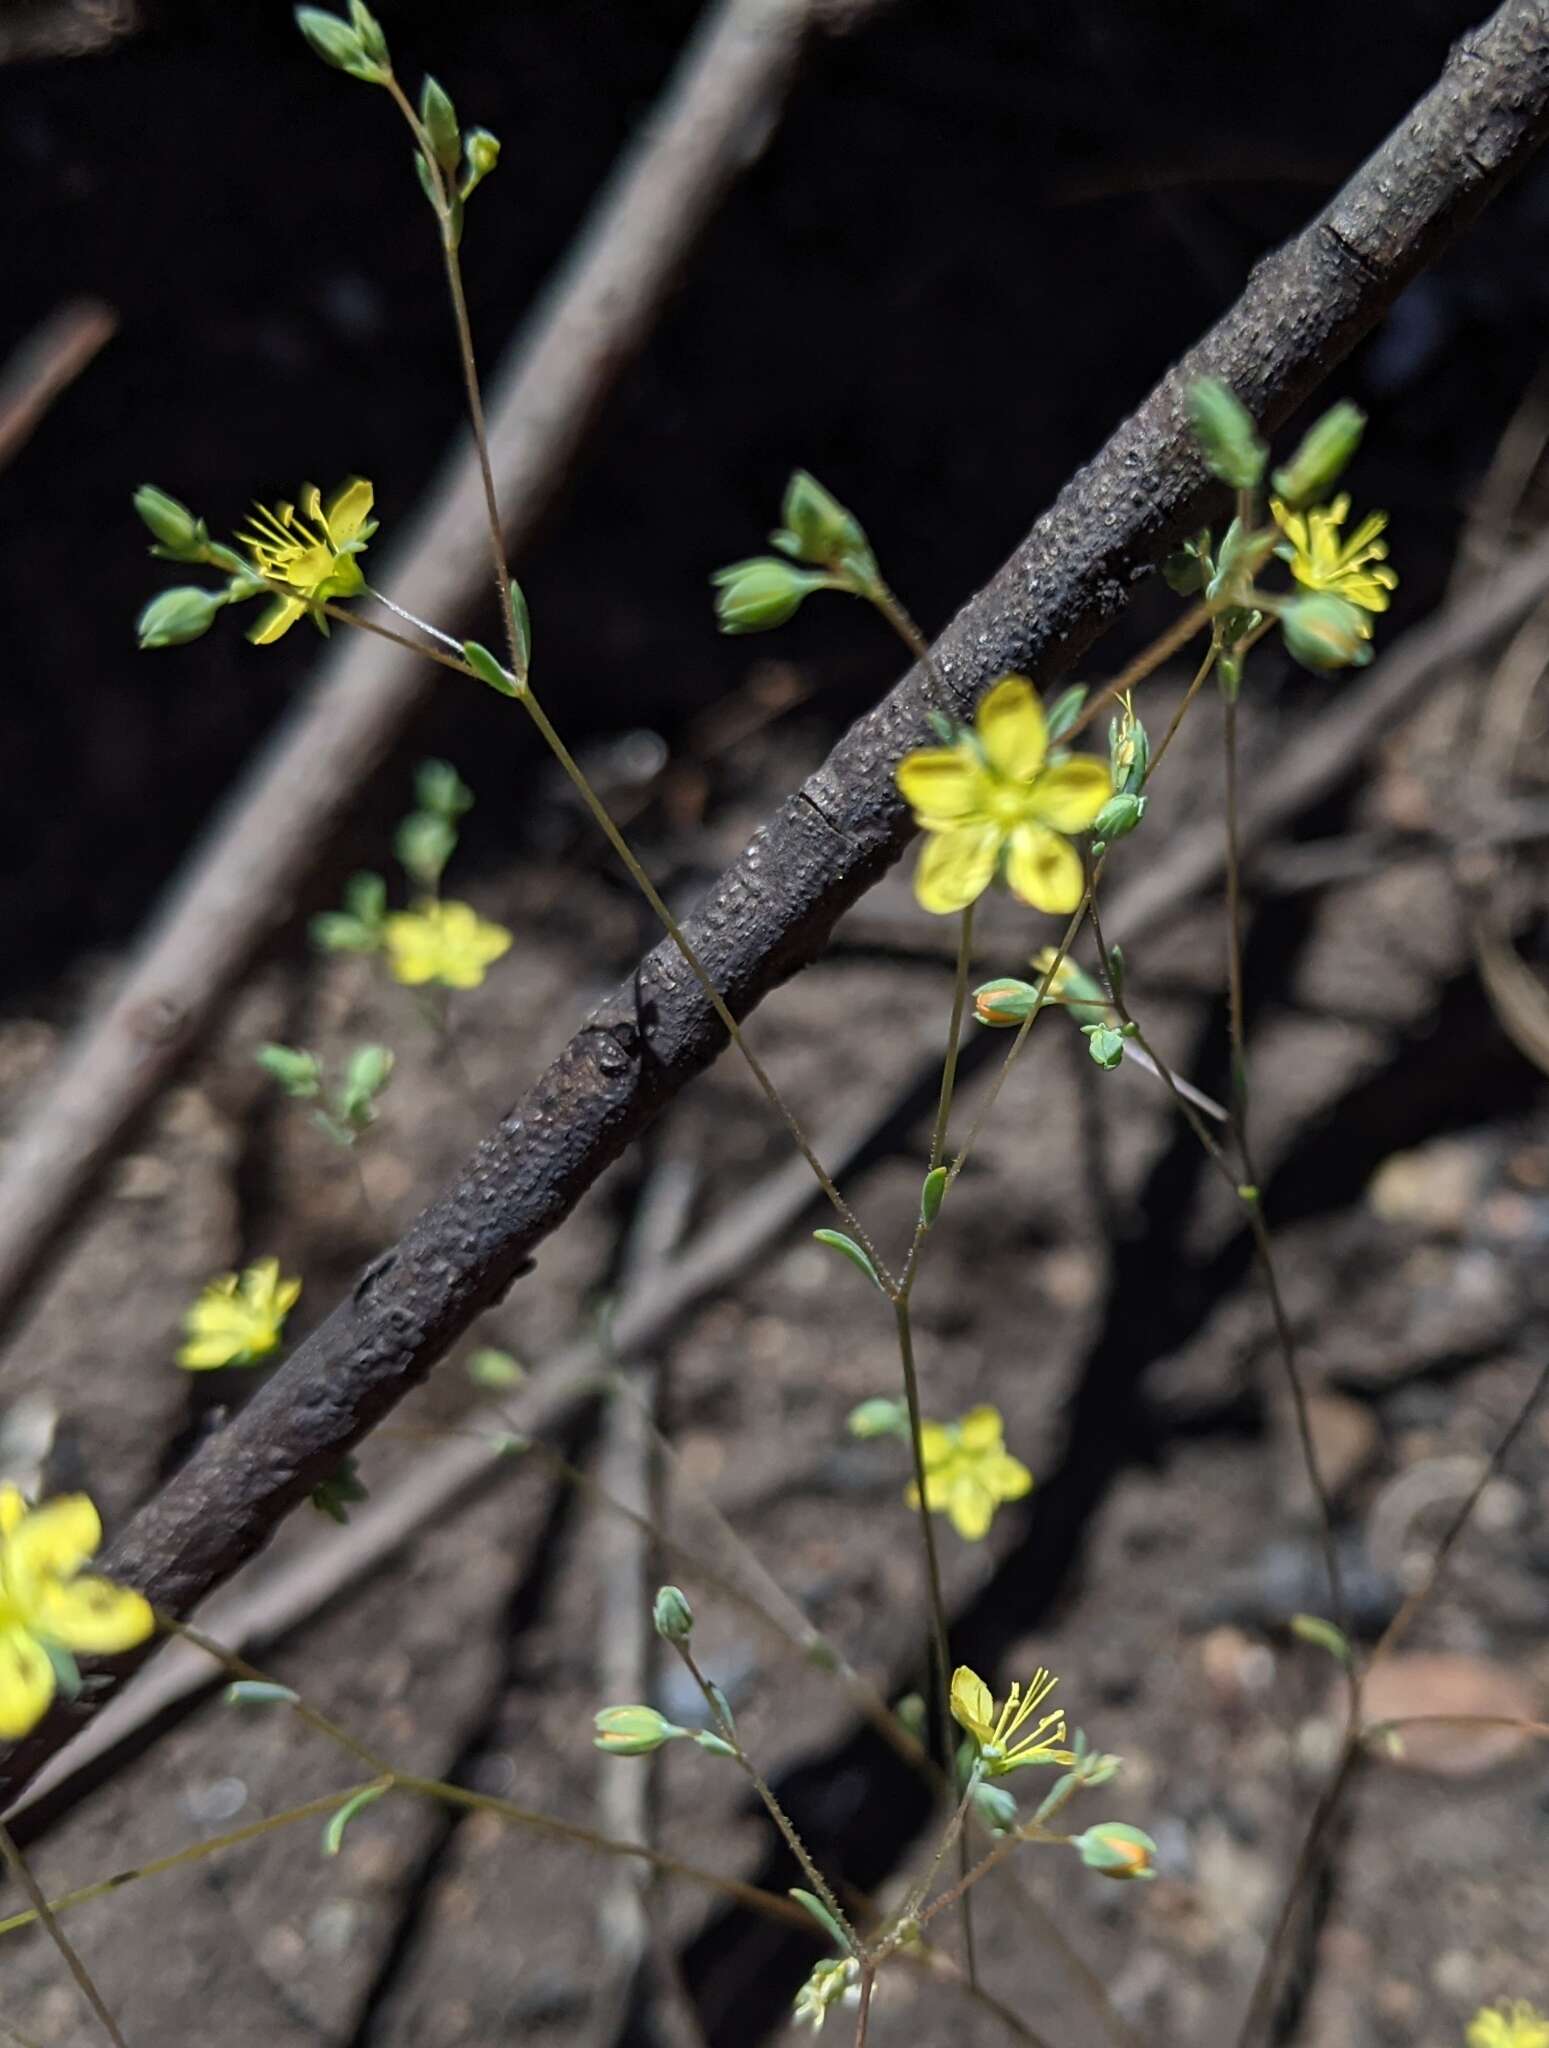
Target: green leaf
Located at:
point(488, 670)
point(258, 1692)
point(521, 620)
point(830, 1926)
point(440, 122)
point(333, 1834)
point(424, 843)
point(852, 1251)
point(439, 788)
point(1312, 1628)
point(931, 1192)
point(1065, 710)
point(496, 1370)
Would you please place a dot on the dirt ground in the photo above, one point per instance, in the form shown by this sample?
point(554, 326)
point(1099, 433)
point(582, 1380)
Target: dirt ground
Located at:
point(1089, 1276)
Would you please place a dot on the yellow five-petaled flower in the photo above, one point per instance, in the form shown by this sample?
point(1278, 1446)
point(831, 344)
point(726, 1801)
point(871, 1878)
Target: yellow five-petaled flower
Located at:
point(995, 798)
point(312, 551)
point(444, 942)
point(1508, 2025)
point(46, 1603)
point(238, 1318)
point(969, 1471)
point(1355, 569)
point(974, 1710)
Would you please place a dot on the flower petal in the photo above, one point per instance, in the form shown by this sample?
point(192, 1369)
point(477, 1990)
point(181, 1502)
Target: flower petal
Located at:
point(26, 1683)
point(981, 1429)
point(935, 1444)
point(275, 620)
point(53, 1540)
point(973, 1704)
point(206, 1354)
point(940, 782)
point(1069, 797)
point(956, 867)
point(1010, 725)
point(1044, 870)
point(93, 1616)
point(13, 1506)
point(1005, 1477)
point(348, 510)
point(972, 1508)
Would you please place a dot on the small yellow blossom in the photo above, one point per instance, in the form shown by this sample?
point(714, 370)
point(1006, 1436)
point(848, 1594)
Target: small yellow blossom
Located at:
point(46, 1604)
point(444, 942)
point(312, 551)
point(238, 1318)
point(992, 798)
point(969, 1471)
point(1510, 2024)
point(1354, 569)
point(974, 1710)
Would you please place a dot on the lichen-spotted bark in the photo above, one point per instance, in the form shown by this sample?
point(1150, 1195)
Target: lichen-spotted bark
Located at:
point(1303, 308)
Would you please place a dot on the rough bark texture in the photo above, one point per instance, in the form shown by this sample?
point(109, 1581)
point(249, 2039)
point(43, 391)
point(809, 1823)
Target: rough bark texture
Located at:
point(770, 913)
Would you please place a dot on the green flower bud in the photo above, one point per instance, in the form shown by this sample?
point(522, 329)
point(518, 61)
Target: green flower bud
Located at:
point(1323, 632)
point(369, 29)
point(367, 1075)
point(996, 1807)
point(1117, 1850)
point(1005, 1002)
point(298, 1073)
point(673, 1616)
point(178, 616)
point(1105, 1042)
point(1227, 437)
point(1118, 817)
point(495, 1369)
point(481, 153)
point(183, 538)
point(819, 529)
point(1129, 754)
point(762, 592)
point(1319, 462)
point(424, 843)
point(633, 1731)
point(340, 45)
point(439, 119)
point(439, 788)
point(878, 1417)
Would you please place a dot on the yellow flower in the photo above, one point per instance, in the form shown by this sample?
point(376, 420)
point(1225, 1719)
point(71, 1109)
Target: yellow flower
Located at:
point(969, 1471)
point(444, 942)
point(238, 1318)
point(45, 1605)
point(313, 551)
point(993, 797)
point(1354, 569)
point(974, 1710)
point(1513, 2024)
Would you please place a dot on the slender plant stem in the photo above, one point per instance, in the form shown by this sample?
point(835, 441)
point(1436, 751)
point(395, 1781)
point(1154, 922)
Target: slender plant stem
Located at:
point(863, 2016)
point(903, 625)
point(965, 941)
point(17, 1864)
point(776, 1811)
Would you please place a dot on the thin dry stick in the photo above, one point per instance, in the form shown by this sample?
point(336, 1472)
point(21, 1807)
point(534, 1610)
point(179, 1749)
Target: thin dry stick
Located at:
point(719, 110)
point(1303, 308)
point(46, 364)
point(16, 1863)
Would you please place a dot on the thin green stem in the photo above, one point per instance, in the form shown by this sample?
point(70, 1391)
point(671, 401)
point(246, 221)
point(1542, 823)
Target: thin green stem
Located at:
point(965, 941)
point(903, 625)
point(44, 1913)
point(777, 1813)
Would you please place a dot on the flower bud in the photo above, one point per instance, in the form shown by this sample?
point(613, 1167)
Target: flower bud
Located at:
point(340, 45)
point(369, 29)
point(1129, 753)
point(673, 1616)
point(633, 1731)
point(481, 153)
point(1117, 1850)
point(817, 527)
point(438, 118)
point(1118, 817)
point(1005, 1002)
point(1319, 462)
point(1324, 632)
point(296, 1071)
point(878, 1417)
point(1105, 1042)
point(1227, 437)
point(754, 595)
point(178, 616)
point(183, 538)
point(996, 1807)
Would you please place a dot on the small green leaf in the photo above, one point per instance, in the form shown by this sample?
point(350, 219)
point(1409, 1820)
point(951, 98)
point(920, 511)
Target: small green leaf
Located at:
point(258, 1692)
point(496, 1370)
point(440, 123)
point(852, 1251)
point(521, 620)
point(1312, 1628)
point(488, 670)
point(1064, 711)
point(830, 1926)
point(931, 1192)
point(712, 1743)
point(333, 1834)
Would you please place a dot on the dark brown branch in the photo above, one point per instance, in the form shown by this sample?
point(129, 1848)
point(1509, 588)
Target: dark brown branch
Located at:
point(770, 913)
point(718, 113)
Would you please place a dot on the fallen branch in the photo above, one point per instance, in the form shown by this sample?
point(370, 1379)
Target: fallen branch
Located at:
point(240, 882)
point(770, 914)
